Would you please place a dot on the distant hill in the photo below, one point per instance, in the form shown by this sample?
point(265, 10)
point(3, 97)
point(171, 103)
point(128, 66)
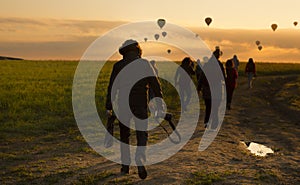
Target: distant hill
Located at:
point(9, 58)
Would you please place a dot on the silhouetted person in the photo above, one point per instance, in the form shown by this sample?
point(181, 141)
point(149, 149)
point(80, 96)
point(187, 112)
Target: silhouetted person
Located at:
point(250, 71)
point(204, 86)
point(231, 77)
point(236, 63)
point(198, 70)
point(184, 81)
point(138, 103)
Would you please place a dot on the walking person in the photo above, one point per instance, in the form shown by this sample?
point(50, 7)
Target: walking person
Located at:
point(236, 63)
point(250, 70)
point(198, 69)
point(231, 78)
point(184, 81)
point(138, 101)
point(204, 87)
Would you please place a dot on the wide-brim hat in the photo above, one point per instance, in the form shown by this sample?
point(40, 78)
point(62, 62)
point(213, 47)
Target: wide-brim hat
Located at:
point(129, 45)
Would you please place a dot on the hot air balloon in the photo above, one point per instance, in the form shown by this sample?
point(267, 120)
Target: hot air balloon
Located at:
point(169, 51)
point(259, 48)
point(156, 36)
point(274, 27)
point(208, 20)
point(161, 22)
point(257, 42)
point(164, 34)
point(196, 35)
point(145, 39)
point(295, 23)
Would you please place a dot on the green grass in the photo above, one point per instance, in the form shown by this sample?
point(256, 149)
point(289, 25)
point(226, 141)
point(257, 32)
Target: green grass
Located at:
point(263, 69)
point(35, 97)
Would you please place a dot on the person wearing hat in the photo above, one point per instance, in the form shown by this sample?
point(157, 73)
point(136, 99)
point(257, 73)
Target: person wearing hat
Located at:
point(138, 102)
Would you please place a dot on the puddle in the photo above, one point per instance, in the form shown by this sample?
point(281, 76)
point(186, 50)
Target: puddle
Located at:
point(258, 149)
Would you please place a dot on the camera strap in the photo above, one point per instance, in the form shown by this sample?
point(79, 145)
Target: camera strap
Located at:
point(174, 130)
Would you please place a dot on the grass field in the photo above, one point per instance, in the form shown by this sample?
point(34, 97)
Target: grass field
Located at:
point(40, 141)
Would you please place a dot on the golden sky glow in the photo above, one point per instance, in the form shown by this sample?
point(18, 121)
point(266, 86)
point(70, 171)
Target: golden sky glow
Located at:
point(63, 29)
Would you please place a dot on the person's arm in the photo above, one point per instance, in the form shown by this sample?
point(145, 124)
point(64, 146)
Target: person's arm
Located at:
point(154, 84)
point(200, 81)
point(192, 71)
point(254, 70)
point(113, 75)
point(235, 73)
point(222, 69)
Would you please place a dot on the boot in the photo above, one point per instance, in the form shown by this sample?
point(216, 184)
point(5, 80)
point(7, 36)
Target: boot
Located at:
point(124, 169)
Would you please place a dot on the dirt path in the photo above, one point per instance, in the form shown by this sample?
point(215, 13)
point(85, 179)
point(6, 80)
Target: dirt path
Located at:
point(254, 117)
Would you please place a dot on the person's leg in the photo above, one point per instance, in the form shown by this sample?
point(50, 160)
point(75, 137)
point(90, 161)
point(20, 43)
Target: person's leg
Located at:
point(251, 81)
point(188, 92)
point(207, 102)
point(142, 138)
point(124, 146)
point(229, 97)
point(250, 76)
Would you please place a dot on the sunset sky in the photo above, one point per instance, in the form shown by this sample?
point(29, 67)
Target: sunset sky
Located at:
point(63, 29)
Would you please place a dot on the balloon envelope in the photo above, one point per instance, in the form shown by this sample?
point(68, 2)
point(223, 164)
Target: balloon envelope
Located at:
point(145, 39)
point(164, 34)
point(274, 27)
point(257, 42)
point(161, 22)
point(156, 36)
point(260, 48)
point(169, 51)
point(208, 20)
point(295, 23)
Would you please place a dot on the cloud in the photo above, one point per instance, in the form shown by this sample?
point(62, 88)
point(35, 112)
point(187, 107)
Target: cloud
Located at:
point(68, 39)
point(21, 21)
point(45, 30)
point(279, 46)
point(71, 50)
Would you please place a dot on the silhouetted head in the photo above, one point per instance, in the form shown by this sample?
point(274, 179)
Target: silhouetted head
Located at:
point(251, 60)
point(234, 56)
point(130, 46)
point(186, 61)
point(217, 53)
point(229, 63)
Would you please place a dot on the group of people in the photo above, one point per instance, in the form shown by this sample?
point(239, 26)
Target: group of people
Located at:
point(150, 86)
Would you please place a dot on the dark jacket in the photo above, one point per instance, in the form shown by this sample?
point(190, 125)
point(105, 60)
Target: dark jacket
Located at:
point(231, 76)
point(139, 93)
point(181, 78)
point(250, 68)
point(203, 84)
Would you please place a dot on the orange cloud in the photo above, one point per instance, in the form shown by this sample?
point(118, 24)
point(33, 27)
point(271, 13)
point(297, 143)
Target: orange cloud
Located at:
point(68, 39)
point(279, 46)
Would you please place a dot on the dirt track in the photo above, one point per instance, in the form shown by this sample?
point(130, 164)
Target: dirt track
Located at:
point(256, 115)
